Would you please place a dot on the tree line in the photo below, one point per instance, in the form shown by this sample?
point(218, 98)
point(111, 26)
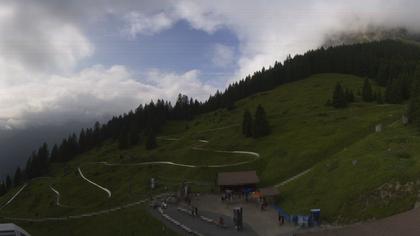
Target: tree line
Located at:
point(342, 96)
point(255, 127)
point(389, 63)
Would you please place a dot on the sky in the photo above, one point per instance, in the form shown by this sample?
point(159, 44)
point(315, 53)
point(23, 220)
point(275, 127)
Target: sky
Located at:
point(76, 60)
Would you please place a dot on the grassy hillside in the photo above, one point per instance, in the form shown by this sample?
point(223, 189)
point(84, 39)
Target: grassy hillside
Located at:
point(305, 134)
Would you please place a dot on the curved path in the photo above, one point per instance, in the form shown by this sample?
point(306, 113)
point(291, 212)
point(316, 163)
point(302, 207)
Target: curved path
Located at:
point(293, 178)
point(57, 199)
point(84, 215)
point(253, 155)
point(63, 218)
point(95, 184)
point(14, 196)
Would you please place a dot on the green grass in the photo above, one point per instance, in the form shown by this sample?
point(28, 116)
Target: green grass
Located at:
point(347, 187)
point(133, 221)
point(305, 134)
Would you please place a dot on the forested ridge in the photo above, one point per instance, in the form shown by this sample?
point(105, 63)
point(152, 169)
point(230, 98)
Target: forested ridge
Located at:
point(392, 64)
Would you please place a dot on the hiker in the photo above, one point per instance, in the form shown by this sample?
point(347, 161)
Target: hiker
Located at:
point(164, 205)
point(221, 221)
point(196, 211)
point(281, 219)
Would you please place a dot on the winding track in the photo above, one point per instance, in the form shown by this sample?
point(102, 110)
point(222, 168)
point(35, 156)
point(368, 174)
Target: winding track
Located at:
point(293, 178)
point(14, 196)
point(57, 194)
point(95, 184)
point(57, 197)
point(254, 156)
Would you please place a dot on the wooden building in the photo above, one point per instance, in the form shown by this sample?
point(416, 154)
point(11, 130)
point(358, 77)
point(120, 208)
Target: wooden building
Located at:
point(237, 181)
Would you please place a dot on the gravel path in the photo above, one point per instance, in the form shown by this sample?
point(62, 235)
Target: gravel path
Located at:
point(253, 155)
point(205, 228)
point(293, 178)
point(93, 183)
point(14, 196)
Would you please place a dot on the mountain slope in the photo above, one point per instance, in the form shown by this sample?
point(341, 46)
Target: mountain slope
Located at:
point(305, 134)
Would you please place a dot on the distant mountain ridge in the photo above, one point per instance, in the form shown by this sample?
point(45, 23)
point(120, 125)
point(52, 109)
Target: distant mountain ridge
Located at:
point(370, 34)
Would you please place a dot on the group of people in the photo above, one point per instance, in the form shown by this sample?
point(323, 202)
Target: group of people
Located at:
point(227, 195)
point(263, 203)
point(281, 219)
point(194, 211)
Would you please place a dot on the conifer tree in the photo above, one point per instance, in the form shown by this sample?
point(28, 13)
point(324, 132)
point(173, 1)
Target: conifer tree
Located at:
point(54, 154)
point(8, 182)
point(150, 140)
point(349, 96)
point(3, 189)
point(367, 94)
point(261, 126)
point(247, 124)
point(339, 97)
point(18, 177)
point(28, 168)
point(134, 137)
point(414, 104)
point(123, 141)
point(379, 97)
point(393, 92)
point(42, 160)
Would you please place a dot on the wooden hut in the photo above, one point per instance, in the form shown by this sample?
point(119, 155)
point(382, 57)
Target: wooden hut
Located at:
point(237, 181)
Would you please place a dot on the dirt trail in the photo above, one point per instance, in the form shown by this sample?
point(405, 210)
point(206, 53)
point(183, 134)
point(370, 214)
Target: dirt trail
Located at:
point(95, 184)
point(14, 196)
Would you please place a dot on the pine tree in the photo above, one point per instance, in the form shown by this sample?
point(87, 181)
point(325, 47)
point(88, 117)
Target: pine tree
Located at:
point(134, 137)
point(54, 154)
point(82, 141)
point(247, 124)
point(414, 104)
point(123, 141)
point(8, 182)
point(261, 126)
point(43, 162)
point(379, 97)
point(349, 95)
point(3, 189)
point(150, 140)
point(394, 91)
point(18, 177)
point(367, 94)
point(28, 168)
point(339, 97)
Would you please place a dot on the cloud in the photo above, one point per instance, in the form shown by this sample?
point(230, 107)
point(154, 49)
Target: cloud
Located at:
point(137, 23)
point(44, 43)
point(270, 30)
point(39, 42)
point(40, 79)
point(92, 94)
point(223, 55)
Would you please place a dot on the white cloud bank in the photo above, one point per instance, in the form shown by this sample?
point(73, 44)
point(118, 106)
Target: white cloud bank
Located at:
point(269, 30)
point(93, 93)
point(43, 41)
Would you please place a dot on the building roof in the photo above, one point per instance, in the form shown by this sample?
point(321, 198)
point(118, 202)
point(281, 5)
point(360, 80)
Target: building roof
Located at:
point(269, 191)
point(237, 178)
point(12, 227)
